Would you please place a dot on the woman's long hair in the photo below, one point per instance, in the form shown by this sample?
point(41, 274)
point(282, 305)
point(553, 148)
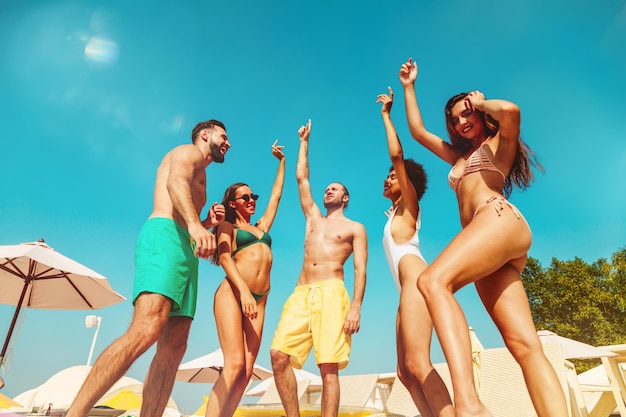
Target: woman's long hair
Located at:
point(231, 215)
point(521, 174)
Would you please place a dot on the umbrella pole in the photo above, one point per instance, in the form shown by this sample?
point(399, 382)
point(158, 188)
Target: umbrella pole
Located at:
point(17, 312)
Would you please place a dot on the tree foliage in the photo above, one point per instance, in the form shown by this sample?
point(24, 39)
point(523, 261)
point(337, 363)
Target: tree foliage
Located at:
point(585, 302)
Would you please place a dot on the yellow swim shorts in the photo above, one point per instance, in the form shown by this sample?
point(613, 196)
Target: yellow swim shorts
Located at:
point(313, 316)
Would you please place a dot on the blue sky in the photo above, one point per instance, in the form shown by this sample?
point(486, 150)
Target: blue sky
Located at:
point(94, 93)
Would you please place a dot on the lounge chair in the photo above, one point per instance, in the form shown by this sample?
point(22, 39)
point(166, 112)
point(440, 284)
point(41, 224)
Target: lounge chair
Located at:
point(400, 402)
point(355, 390)
point(589, 399)
point(271, 394)
point(502, 387)
point(617, 378)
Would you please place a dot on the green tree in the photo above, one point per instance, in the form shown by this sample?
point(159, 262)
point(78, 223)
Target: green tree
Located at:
point(585, 302)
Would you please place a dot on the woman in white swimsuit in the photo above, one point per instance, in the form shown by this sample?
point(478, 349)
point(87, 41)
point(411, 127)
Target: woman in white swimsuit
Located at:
point(488, 158)
point(404, 186)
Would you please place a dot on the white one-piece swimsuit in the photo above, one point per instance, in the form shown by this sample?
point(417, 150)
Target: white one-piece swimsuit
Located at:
point(395, 252)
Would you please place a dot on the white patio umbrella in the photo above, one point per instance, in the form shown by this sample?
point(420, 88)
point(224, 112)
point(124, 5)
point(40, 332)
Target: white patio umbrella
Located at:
point(573, 349)
point(61, 388)
point(208, 368)
point(301, 375)
point(34, 275)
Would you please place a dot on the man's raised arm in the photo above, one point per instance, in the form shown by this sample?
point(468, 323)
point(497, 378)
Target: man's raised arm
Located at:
point(302, 172)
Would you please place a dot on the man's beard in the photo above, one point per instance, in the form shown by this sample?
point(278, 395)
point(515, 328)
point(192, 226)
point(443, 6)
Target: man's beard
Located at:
point(333, 203)
point(216, 153)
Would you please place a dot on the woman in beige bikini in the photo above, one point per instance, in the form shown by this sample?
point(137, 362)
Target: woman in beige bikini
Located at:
point(488, 158)
point(244, 252)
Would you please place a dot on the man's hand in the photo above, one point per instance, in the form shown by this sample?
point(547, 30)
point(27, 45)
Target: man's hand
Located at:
point(387, 101)
point(204, 240)
point(305, 131)
point(408, 73)
point(353, 322)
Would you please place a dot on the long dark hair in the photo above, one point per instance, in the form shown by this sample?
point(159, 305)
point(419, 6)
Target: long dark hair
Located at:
point(231, 215)
point(521, 174)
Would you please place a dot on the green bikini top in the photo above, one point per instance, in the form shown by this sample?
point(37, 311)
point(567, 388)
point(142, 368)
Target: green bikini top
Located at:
point(245, 239)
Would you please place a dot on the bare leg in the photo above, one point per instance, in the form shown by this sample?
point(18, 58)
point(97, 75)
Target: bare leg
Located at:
point(149, 318)
point(504, 297)
point(171, 348)
point(240, 339)
point(330, 389)
point(286, 383)
point(486, 244)
point(414, 333)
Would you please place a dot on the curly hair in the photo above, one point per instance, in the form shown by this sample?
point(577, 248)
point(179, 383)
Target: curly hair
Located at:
point(417, 176)
point(231, 214)
point(521, 174)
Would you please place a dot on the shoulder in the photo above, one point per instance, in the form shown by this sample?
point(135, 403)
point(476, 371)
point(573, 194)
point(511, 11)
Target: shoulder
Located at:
point(499, 145)
point(357, 227)
point(314, 214)
point(226, 227)
point(407, 215)
point(188, 151)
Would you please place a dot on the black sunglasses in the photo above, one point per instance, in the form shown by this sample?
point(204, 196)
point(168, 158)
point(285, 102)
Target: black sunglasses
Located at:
point(247, 197)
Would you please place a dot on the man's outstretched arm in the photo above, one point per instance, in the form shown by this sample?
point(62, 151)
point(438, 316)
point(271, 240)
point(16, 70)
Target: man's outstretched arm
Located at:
point(302, 172)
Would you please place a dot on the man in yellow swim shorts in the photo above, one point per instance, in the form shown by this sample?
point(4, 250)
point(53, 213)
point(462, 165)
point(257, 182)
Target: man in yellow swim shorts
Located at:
point(166, 274)
point(319, 314)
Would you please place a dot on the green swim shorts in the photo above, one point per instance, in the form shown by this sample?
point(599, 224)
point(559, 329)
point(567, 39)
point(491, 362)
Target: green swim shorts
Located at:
point(166, 264)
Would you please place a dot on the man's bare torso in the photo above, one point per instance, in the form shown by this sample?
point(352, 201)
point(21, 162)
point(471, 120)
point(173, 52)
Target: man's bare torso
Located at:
point(163, 205)
point(327, 246)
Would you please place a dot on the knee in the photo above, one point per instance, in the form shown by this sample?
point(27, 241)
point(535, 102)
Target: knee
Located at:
point(177, 347)
point(413, 370)
point(236, 370)
point(143, 338)
point(280, 360)
point(524, 350)
point(405, 376)
point(427, 284)
point(147, 329)
point(329, 373)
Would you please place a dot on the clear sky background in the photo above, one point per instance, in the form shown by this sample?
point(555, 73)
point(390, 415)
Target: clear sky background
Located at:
point(94, 93)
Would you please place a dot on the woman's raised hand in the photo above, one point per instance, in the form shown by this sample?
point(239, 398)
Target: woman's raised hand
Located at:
point(474, 100)
point(277, 150)
point(408, 73)
point(387, 101)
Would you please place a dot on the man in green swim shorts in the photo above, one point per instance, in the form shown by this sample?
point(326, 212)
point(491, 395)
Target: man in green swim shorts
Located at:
point(166, 274)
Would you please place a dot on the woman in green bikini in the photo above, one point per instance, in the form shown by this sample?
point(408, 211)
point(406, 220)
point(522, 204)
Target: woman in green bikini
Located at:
point(239, 306)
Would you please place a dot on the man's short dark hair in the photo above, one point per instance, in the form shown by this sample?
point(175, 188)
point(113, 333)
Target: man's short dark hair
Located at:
point(209, 124)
